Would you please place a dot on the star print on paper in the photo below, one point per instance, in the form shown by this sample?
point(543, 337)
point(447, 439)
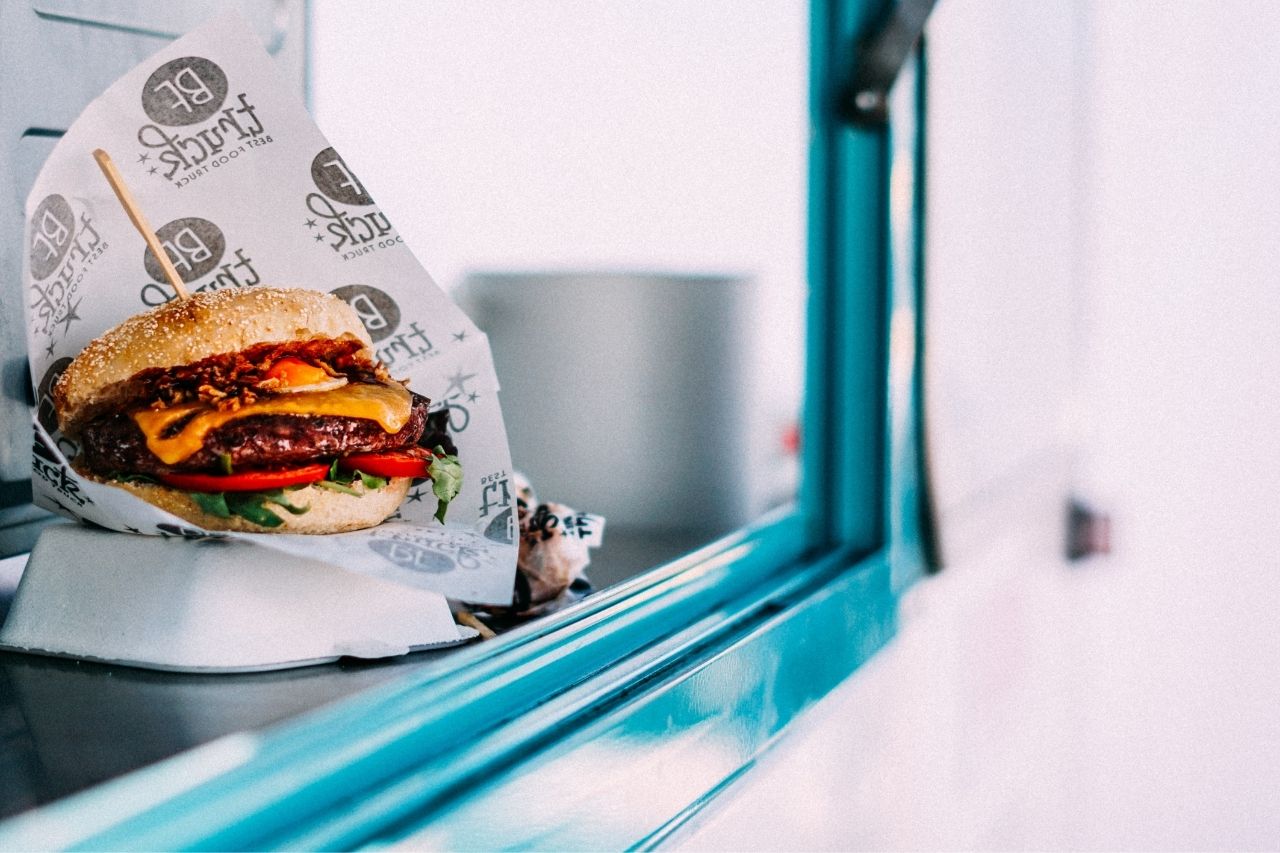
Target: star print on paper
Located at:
point(71, 316)
point(319, 238)
point(142, 158)
point(311, 223)
point(416, 495)
point(460, 336)
point(458, 384)
point(153, 170)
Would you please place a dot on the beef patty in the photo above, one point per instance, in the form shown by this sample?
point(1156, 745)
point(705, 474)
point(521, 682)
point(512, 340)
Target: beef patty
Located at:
point(114, 444)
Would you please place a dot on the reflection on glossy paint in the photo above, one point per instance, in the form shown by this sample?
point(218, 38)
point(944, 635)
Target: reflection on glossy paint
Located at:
point(902, 358)
point(634, 772)
point(667, 773)
point(904, 327)
point(66, 822)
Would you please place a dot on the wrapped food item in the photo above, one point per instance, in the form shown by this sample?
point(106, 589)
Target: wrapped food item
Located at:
point(549, 560)
point(243, 189)
point(555, 549)
point(555, 543)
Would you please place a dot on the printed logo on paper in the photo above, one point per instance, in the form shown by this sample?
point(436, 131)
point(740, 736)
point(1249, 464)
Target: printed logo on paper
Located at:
point(496, 507)
point(194, 246)
point(456, 397)
point(377, 311)
point(184, 91)
point(55, 474)
point(197, 248)
point(334, 178)
point(337, 214)
point(52, 227)
point(433, 550)
point(62, 248)
point(544, 524)
point(394, 346)
point(413, 556)
point(197, 126)
point(501, 528)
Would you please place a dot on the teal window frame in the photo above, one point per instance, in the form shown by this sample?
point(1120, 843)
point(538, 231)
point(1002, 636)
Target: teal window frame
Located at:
point(609, 724)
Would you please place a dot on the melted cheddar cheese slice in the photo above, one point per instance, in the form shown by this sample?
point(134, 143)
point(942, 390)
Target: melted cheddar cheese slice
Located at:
point(389, 405)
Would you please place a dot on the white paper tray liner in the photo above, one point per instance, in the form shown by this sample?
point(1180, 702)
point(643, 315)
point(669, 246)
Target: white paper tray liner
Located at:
point(211, 606)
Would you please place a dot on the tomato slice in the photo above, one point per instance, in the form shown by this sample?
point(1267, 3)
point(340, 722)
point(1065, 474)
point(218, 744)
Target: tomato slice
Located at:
point(392, 463)
point(246, 481)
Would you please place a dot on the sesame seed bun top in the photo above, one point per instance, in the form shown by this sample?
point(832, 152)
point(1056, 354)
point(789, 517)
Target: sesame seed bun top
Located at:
point(187, 330)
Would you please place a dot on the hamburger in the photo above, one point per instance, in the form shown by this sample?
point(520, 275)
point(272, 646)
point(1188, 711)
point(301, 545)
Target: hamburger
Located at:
point(252, 409)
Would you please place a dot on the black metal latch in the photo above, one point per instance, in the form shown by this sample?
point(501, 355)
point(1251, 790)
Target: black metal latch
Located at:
point(864, 100)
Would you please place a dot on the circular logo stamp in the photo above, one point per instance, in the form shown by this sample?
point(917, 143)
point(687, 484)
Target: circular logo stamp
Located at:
point(378, 311)
point(335, 180)
point(53, 227)
point(194, 245)
point(44, 395)
point(416, 558)
point(184, 91)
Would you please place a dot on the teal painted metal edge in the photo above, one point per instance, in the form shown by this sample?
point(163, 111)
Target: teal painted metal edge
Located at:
point(905, 487)
point(861, 607)
point(844, 427)
point(633, 766)
point(324, 759)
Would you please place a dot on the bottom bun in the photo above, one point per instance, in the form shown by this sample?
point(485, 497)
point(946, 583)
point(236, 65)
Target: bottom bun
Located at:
point(329, 511)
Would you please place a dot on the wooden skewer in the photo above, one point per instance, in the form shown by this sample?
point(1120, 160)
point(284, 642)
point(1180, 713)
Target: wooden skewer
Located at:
point(139, 221)
point(466, 617)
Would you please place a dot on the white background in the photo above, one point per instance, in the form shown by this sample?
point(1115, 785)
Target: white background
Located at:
point(578, 136)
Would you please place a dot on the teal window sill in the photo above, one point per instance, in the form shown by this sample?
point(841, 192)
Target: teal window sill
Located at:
point(605, 729)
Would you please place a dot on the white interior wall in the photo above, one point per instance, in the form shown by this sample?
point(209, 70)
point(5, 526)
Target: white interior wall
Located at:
point(570, 135)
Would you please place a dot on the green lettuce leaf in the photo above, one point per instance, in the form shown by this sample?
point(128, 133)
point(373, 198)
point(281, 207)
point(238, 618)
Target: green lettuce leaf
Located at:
point(371, 482)
point(214, 503)
point(252, 506)
point(446, 481)
point(279, 498)
point(338, 487)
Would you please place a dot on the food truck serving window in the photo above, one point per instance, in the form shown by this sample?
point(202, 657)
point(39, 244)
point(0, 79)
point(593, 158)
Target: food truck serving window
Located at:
point(700, 286)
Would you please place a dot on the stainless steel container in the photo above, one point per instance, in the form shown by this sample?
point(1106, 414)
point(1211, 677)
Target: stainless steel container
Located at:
point(625, 394)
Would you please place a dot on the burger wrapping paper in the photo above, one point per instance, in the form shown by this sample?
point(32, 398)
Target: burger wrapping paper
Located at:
point(243, 189)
